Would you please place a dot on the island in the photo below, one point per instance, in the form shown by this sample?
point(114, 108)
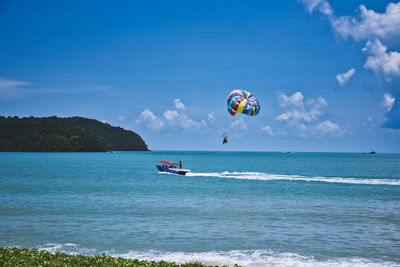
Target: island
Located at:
point(72, 134)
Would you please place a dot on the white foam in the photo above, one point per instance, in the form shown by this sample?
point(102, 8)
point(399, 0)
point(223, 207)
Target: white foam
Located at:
point(254, 258)
point(68, 248)
point(275, 177)
point(250, 258)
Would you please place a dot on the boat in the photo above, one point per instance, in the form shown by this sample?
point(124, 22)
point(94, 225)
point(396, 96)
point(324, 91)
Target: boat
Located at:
point(171, 167)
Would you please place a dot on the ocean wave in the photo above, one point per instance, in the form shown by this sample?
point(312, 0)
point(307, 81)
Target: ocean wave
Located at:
point(69, 248)
point(253, 258)
point(276, 177)
point(250, 258)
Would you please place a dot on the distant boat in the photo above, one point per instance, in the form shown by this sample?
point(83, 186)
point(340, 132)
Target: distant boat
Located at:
point(372, 152)
point(171, 167)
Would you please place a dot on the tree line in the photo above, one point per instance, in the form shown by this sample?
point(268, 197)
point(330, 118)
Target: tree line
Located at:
point(73, 134)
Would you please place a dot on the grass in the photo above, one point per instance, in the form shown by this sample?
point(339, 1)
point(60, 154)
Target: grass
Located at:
point(34, 257)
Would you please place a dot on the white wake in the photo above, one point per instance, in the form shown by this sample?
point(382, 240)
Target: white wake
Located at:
point(277, 177)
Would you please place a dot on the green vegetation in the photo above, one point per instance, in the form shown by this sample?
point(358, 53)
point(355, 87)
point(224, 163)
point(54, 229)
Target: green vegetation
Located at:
point(75, 134)
point(26, 257)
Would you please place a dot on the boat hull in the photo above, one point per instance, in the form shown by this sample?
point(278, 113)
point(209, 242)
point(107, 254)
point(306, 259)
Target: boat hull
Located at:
point(172, 170)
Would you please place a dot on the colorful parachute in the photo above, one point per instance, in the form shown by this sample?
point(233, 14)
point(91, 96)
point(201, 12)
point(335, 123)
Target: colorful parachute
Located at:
point(241, 101)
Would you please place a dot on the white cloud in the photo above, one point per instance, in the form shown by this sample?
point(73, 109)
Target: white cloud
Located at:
point(294, 115)
point(267, 129)
point(319, 103)
point(10, 88)
point(121, 118)
point(272, 132)
point(370, 24)
point(329, 128)
point(153, 122)
point(323, 6)
point(315, 107)
point(302, 119)
point(388, 101)
point(192, 125)
point(174, 119)
point(295, 99)
point(170, 116)
point(178, 104)
point(211, 117)
point(345, 77)
point(239, 125)
point(295, 110)
point(11, 83)
point(380, 60)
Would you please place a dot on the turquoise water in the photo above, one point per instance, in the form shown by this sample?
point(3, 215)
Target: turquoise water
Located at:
point(250, 208)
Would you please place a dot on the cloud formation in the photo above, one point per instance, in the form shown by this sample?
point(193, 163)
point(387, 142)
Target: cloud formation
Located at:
point(211, 117)
point(327, 127)
point(295, 99)
point(267, 129)
point(388, 101)
point(380, 60)
point(150, 120)
point(368, 25)
point(345, 77)
point(295, 110)
point(272, 132)
point(178, 104)
point(239, 125)
point(10, 89)
point(323, 6)
point(302, 117)
point(171, 118)
point(174, 119)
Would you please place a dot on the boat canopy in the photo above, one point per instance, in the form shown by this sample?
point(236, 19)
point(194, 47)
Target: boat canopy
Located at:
point(166, 162)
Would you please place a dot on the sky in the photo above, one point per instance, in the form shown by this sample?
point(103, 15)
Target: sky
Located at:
point(326, 73)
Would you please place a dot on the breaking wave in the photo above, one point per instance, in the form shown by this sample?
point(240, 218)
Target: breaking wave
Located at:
point(251, 258)
point(68, 248)
point(276, 177)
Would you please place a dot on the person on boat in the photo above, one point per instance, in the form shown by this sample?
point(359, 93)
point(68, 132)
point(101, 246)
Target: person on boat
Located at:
point(180, 164)
point(225, 141)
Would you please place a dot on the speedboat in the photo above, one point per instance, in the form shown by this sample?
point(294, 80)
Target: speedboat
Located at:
point(171, 167)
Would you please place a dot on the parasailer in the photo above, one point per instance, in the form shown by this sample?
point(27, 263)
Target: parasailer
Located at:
point(225, 141)
point(241, 101)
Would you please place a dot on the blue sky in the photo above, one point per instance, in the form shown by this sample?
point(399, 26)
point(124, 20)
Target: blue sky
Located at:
point(326, 73)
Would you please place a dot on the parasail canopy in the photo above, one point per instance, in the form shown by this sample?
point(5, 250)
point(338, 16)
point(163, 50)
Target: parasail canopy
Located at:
point(241, 101)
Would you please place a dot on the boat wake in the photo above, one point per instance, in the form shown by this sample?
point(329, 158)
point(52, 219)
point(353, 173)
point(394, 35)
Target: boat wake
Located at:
point(278, 177)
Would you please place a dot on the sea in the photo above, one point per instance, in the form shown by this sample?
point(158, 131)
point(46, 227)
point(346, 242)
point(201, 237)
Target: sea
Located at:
point(246, 208)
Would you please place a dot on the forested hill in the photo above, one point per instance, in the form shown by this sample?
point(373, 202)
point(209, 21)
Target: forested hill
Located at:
point(53, 134)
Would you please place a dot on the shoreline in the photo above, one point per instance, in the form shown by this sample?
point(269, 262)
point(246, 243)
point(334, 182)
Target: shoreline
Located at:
point(12, 256)
point(15, 256)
